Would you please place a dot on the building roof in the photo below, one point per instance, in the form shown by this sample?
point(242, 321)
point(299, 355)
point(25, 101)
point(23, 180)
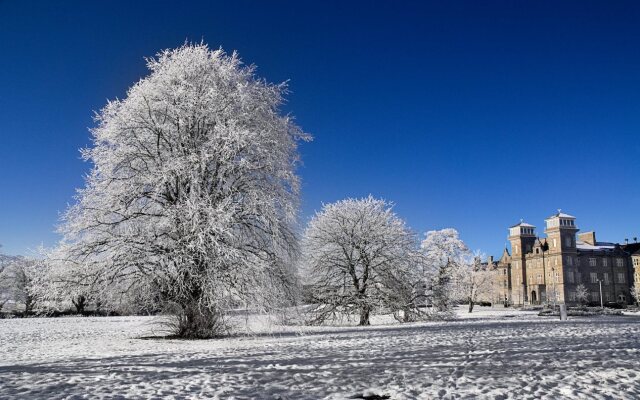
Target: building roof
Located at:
point(524, 224)
point(580, 245)
point(560, 214)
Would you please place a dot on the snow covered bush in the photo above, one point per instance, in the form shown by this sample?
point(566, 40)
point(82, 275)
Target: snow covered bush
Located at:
point(582, 294)
point(359, 257)
point(192, 199)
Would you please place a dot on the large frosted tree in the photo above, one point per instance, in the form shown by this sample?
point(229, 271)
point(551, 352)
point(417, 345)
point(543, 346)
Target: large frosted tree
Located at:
point(192, 199)
point(359, 257)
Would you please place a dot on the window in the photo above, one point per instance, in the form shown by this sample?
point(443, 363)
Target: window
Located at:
point(592, 262)
point(619, 262)
point(578, 277)
point(595, 296)
point(604, 262)
point(554, 242)
point(620, 277)
point(607, 296)
point(605, 278)
point(539, 278)
point(572, 296)
point(567, 241)
point(557, 277)
point(570, 277)
point(569, 260)
point(594, 277)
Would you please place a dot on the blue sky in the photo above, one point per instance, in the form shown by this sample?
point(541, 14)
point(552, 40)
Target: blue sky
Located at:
point(465, 114)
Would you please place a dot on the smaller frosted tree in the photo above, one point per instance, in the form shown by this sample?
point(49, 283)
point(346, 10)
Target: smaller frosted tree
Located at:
point(444, 253)
point(358, 257)
point(19, 278)
point(4, 281)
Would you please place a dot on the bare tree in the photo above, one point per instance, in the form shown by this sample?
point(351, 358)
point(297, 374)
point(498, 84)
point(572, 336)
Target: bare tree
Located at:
point(192, 199)
point(473, 280)
point(357, 258)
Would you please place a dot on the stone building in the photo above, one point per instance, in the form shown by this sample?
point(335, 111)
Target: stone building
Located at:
point(548, 269)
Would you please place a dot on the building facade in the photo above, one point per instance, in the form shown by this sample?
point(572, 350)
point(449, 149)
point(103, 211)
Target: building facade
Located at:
point(550, 269)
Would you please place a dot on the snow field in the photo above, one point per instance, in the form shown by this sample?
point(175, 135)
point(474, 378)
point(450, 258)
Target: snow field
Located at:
point(491, 353)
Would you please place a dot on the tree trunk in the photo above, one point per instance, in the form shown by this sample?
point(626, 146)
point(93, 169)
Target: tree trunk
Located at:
point(196, 322)
point(79, 303)
point(364, 316)
point(28, 305)
point(407, 316)
point(471, 303)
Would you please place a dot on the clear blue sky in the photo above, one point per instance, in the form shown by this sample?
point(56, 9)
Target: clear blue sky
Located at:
point(465, 114)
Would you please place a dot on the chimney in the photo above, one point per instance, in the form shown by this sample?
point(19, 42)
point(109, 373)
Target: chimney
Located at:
point(588, 237)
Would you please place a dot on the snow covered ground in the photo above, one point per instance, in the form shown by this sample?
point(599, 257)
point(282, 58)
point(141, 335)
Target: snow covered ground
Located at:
point(490, 354)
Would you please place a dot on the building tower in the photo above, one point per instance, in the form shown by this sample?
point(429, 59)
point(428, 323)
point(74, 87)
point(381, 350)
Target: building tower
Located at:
point(522, 238)
point(561, 236)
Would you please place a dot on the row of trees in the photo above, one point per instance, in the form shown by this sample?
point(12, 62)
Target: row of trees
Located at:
point(191, 208)
point(358, 258)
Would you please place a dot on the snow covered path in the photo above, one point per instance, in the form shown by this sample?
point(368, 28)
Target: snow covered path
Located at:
point(492, 355)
